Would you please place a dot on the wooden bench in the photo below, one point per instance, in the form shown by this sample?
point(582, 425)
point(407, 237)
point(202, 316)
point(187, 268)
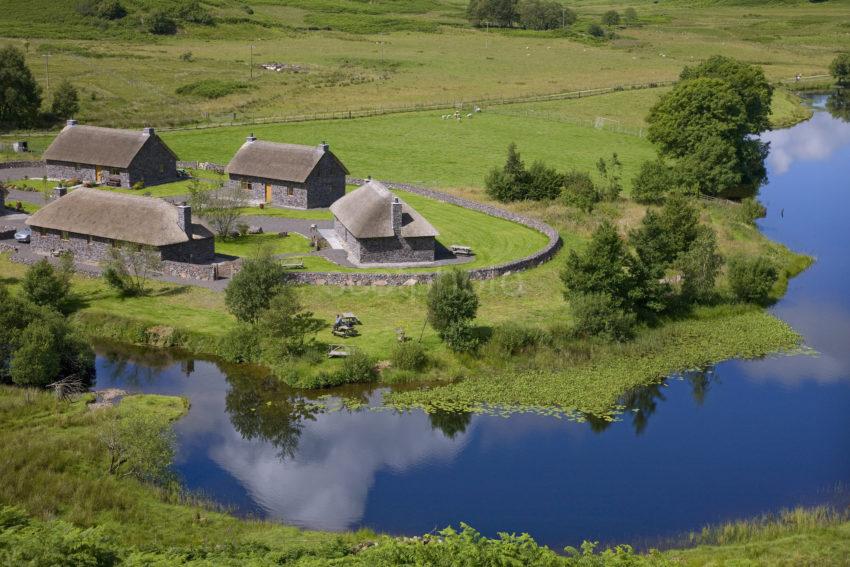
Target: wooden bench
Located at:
point(459, 250)
point(299, 265)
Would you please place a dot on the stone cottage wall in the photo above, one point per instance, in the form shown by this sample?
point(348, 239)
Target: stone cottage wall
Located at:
point(64, 170)
point(325, 184)
point(280, 191)
point(197, 251)
point(154, 164)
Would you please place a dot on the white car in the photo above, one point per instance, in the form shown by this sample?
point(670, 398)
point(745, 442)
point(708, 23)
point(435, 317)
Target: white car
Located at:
point(23, 235)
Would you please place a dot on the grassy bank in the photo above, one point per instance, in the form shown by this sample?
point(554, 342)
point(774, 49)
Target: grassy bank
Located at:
point(54, 469)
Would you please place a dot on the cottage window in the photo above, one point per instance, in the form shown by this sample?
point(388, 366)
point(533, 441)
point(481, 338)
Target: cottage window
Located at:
point(88, 239)
point(114, 171)
point(76, 167)
point(290, 191)
point(246, 185)
point(64, 235)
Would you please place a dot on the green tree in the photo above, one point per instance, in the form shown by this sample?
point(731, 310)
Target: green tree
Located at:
point(544, 14)
point(452, 305)
point(630, 16)
point(653, 182)
point(250, 291)
point(751, 279)
point(543, 182)
point(748, 81)
point(44, 285)
point(140, 445)
point(840, 68)
point(20, 95)
point(492, 12)
point(160, 23)
point(129, 266)
point(595, 30)
point(579, 191)
point(221, 207)
point(598, 315)
point(611, 18)
point(36, 360)
point(285, 325)
point(511, 182)
point(663, 235)
point(751, 210)
point(700, 265)
point(66, 100)
point(712, 167)
point(611, 171)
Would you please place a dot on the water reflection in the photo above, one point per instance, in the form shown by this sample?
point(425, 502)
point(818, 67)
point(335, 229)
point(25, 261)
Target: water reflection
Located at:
point(814, 140)
point(838, 104)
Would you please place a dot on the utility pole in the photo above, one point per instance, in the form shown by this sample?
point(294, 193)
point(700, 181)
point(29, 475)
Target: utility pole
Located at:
point(47, 69)
point(251, 64)
point(563, 17)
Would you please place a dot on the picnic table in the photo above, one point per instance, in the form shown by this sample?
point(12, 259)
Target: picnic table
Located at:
point(350, 319)
point(460, 250)
point(294, 265)
point(344, 331)
point(338, 351)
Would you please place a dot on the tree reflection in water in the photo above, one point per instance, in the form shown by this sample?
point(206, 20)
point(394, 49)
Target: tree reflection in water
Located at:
point(838, 105)
point(263, 408)
point(135, 366)
point(449, 422)
point(642, 402)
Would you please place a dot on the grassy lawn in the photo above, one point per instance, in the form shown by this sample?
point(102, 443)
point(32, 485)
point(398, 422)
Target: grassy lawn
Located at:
point(26, 207)
point(174, 189)
point(309, 214)
point(251, 244)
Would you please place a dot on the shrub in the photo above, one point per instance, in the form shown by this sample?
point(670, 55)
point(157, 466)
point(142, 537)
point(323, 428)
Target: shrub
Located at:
point(750, 210)
point(700, 266)
point(840, 68)
point(44, 285)
point(663, 235)
point(242, 228)
point(356, 367)
point(285, 326)
point(129, 266)
point(751, 279)
point(595, 30)
point(194, 13)
point(630, 16)
point(138, 186)
point(459, 337)
point(186, 56)
point(249, 292)
point(611, 171)
point(160, 23)
point(611, 18)
point(598, 315)
point(579, 191)
point(544, 14)
point(409, 355)
point(240, 344)
point(66, 100)
point(543, 182)
point(653, 182)
point(511, 339)
point(451, 301)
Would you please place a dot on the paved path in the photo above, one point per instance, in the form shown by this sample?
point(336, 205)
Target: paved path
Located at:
point(36, 173)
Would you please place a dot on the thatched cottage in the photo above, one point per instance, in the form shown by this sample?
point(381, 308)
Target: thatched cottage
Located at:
point(110, 156)
point(288, 175)
point(374, 226)
point(88, 222)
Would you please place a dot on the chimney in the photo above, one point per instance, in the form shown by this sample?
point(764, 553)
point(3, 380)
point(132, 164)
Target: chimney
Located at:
point(396, 205)
point(147, 131)
point(184, 219)
point(60, 192)
point(324, 146)
point(70, 122)
point(251, 138)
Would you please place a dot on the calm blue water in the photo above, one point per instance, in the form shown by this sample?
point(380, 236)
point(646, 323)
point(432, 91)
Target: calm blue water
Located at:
point(741, 439)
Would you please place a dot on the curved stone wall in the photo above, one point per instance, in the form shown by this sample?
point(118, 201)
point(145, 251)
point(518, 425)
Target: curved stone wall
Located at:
point(412, 278)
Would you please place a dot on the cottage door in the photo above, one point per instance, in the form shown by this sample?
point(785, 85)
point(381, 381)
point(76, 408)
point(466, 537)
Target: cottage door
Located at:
point(98, 174)
point(268, 193)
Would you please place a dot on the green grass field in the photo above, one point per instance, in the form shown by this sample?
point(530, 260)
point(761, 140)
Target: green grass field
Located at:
point(252, 245)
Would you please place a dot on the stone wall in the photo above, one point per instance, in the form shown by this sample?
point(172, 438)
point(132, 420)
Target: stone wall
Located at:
point(202, 272)
point(84, 247)
point(21, 163)
point(325, 184)
point(83, 172)
point(198, 250)
point(154, 164)
point(284, 194)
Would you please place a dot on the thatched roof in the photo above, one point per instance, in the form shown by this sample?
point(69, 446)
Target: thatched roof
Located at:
point(127, 218)
point(367, 213)
point(94, 145)
point(282, 162)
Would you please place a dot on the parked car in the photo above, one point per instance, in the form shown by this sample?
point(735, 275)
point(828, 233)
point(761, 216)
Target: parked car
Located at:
point(23, 235)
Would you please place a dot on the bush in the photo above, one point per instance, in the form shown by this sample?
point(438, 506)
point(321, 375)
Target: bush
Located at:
point(451, 301)
point(595, 30)
point(700, 266)
point(138, 186)
point(544, 15)
point(356, 367)
point(44, 285)
point(241, 344)
point(160, 23)
point(511, 339)
point(409, 355)
point(249, 292)
point(750, 210)
point(840, 68)
point(611, 171)
point(194, 13)
point(653, 182)
point(751, 279)
point(66, 100)
point(543, 182)
point(579, 191)
point(598, 315)
point(663, 235)
point(459, 337)
point(611, 18)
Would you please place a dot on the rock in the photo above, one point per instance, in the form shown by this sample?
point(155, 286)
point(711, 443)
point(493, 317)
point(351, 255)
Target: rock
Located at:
point(255, 230)
point(381, 282)
point(411, 281)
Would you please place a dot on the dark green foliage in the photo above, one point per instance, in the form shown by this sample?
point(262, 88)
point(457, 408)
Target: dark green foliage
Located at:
point(139, 445)
point(607, 267)
point(249, 292)
point(630, 16)
point(748, 81)
point(129, 266)
point(663, 235)
point(751, 279)
point(840, 68)
point(611, 18)
point(653, 182)
point(194, 13)
point(579, 191)
point(501, 13)
point(20, 95)
point(284, 327)
point(598, 315)
point(240, 344)
point(595, 30)
point(212, 88)
point(460, 337)
point(501, 186)
point(37, 346)
point(751, 210)
point(544, 14)
point(611, 171)
point(699, 266)
point(510, 339)
point(44, 285)
point(409, 355)
point(160, 23)
point(104, 9)
point(452, 302)
point(543, 182)
point(356, 368)
point(66, 101)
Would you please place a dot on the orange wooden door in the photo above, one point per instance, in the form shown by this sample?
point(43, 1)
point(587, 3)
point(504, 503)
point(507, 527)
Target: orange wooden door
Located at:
point(98, 174)
point(268, 193)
